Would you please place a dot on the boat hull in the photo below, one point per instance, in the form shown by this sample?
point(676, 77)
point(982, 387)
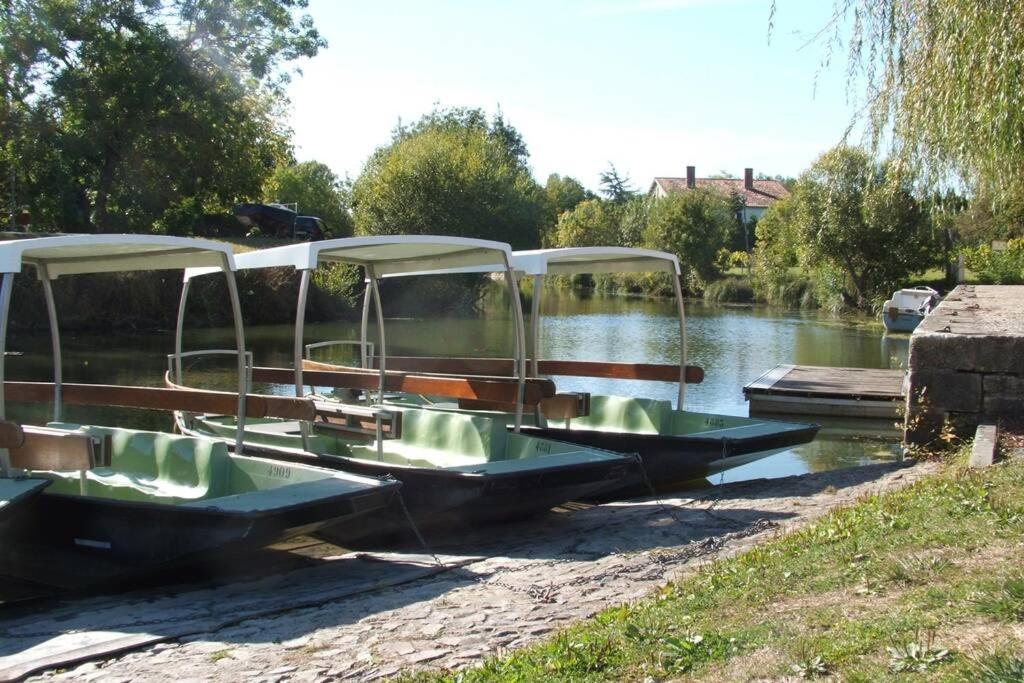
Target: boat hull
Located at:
point(134, 537)
point(671, 460)
point(901, 321)
point(446, 500)
point(16, 495)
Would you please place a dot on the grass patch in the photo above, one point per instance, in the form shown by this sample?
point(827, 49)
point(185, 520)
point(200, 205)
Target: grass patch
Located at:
point(730, 290)
point(890, 588)
point(996, 668)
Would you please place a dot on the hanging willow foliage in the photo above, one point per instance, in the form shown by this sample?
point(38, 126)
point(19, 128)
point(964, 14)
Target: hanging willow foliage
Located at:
point(942, 84)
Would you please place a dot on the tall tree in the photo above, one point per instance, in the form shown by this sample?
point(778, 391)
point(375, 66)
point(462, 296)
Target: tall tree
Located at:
point(451, 173)
point(146, 111)
point(694, 225)
point(942, 84)
point(851, 220)
point(561, 194)
point(614, 187)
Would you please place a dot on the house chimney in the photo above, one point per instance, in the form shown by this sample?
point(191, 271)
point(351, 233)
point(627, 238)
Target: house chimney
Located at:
point(748, 178)
point(691, 177)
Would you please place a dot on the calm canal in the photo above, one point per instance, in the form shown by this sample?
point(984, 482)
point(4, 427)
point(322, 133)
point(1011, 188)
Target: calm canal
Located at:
point(733, 344)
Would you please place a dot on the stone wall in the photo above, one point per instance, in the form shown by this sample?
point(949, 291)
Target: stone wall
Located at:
point(966, 362)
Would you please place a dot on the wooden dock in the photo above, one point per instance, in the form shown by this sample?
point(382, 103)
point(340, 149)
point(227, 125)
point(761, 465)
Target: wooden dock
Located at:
point(830, 392)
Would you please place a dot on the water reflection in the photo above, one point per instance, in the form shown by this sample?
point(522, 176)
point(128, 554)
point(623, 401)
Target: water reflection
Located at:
point(733, 344)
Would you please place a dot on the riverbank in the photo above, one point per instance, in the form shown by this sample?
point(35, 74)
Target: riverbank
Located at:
point(541, 576)
point(921, 582)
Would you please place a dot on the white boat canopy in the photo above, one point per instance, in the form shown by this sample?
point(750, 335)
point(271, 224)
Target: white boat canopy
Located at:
point(537, 263)
point(387, 255)
point(578, 260)
point(390, 256)
point(76, 254)
point(53, 257)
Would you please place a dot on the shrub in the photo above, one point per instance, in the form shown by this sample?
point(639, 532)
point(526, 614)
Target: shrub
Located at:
point(1004, 267)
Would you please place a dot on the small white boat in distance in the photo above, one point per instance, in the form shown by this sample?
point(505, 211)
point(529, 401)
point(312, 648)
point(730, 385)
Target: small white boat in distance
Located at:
point(907, 308)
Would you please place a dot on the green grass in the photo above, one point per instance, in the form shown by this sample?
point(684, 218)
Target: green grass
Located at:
point(886, 589)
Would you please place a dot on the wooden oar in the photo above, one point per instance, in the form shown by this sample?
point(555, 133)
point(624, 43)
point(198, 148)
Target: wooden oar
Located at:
point(504, 367)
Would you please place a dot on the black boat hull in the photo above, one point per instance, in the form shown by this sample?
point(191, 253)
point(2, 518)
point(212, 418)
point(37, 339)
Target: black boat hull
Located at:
point(446, 500)
point(132, 537)
point(670, 460)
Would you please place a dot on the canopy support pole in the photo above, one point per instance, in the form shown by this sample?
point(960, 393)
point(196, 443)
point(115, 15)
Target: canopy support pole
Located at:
point(5, 310)
point(371, 275)
point(677, 286)
point(517, 314)
point(243, 378)
point(179, 331)
point(300, 324)
point(364, 325)
point(538, 283)
point(58, 362)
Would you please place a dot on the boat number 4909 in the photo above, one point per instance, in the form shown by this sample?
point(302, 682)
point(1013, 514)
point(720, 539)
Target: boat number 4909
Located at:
point(279, 472)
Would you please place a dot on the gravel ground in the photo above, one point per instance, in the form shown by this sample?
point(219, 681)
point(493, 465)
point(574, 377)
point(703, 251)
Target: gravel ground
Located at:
point(539, 575)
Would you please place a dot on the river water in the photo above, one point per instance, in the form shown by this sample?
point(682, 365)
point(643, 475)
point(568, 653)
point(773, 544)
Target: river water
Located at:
point(734, 345)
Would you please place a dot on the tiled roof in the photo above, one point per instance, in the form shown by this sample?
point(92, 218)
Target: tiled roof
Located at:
point(764, 193)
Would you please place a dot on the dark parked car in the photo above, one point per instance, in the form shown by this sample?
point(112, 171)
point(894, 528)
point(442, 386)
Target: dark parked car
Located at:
point(275, 220)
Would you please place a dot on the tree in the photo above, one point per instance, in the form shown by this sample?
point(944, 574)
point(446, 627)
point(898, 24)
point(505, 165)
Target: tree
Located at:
point(561, 194)
point(942, 83)
point(125, 115)
point(694, 225)
point(593, 223)
point(317, 191)
point(451, 173)
point(777, 248)
point(633, 217)
point(614, 187)
point(850, 220)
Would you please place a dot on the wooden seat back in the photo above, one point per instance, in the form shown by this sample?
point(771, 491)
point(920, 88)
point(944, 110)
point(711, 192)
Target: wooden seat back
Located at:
point(499, 389)
point(558, 407)
point(58, 450)
point(356, 420)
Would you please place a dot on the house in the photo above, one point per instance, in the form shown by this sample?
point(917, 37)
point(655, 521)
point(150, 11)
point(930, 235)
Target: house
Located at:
point(757, 195)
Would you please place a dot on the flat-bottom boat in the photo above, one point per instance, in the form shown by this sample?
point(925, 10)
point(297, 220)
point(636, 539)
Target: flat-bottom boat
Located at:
point(155, 499)
point(457, 469)
point(674, 445)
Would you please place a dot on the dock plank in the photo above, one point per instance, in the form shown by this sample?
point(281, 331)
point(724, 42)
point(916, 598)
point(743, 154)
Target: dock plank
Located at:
point(811, 390)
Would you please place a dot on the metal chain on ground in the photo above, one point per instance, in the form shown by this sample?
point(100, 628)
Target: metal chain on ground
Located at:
point(416, 532)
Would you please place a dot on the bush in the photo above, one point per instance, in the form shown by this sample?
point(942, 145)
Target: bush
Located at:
point(998, 267)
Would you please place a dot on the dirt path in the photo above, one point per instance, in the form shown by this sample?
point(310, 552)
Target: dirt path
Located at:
point(540, 575)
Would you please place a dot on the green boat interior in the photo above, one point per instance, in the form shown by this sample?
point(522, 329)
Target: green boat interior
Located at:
point(429, 439)
point(170, 469)
point(626, 415)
